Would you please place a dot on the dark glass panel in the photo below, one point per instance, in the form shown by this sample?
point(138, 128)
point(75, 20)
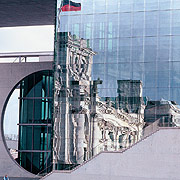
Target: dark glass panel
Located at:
point(26, 160)
point(41, 138)
point(35, 162)
point(26, 111)
point(25, 138)
point(35, 109)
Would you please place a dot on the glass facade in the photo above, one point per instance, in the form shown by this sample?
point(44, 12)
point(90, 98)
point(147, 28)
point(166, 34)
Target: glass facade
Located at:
point(117, 70)
point(35, 122)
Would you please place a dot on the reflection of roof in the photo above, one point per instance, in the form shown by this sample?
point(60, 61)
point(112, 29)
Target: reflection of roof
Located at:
point(162, 108)
point(161, 102)
point(26, 12)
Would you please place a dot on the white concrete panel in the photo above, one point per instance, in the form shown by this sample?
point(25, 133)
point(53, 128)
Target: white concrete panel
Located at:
point(154, 158)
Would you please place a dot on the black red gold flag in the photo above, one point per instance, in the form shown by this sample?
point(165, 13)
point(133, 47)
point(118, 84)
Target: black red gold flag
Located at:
point(70, 6)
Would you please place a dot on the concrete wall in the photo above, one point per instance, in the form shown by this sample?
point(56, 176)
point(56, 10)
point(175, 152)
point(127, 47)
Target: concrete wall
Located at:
point(155, 158)
point(10, 75)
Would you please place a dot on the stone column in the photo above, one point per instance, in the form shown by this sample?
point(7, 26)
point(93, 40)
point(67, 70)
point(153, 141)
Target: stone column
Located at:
point(80, 137)
point(96, 137)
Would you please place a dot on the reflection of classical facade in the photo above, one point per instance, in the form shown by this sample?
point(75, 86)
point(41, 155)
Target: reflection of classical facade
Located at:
point(119, 129)
point(72, 95)
point(84, 124)
point(122, 119)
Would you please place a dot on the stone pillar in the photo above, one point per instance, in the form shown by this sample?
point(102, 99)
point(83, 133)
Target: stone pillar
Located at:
point(96, 137)
point(116, 139)
point(80, 137)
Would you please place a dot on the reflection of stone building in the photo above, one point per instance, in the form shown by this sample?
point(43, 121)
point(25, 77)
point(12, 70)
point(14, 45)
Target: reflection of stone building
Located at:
point(72, 96)
point(84, 124)
point(167, 112)
point(130, 98)
point(124, 114)
point(130, 95)
point(119, 129)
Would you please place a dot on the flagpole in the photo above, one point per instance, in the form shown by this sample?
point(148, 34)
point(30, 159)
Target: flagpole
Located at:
point(57, 30)
point(59, 15)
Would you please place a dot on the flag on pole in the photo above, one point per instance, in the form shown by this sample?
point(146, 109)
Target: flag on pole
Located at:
point(70, 6)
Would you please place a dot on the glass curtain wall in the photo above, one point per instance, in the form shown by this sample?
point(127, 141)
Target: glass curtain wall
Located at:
point(134, 73)
point(35, 122)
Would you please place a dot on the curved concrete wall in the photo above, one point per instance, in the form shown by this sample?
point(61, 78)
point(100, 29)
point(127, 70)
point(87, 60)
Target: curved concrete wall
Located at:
point(154, 158)
point(10, 75)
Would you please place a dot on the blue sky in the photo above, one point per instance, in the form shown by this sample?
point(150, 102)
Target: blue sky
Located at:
point(23, 39)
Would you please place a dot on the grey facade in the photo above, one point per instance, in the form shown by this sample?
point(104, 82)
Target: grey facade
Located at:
point(11, 75)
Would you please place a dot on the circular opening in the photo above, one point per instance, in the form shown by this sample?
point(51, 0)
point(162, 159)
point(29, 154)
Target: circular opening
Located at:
point(27, 124)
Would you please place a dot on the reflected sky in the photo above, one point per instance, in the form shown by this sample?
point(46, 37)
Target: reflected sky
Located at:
point(12, 114)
